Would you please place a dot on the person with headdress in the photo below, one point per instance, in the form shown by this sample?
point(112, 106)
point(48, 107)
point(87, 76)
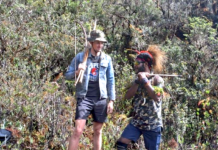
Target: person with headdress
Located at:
point(97, 86)
point(147, 92)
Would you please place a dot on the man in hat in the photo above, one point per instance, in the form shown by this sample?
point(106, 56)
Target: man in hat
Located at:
point(147, 92)
point(97, 86)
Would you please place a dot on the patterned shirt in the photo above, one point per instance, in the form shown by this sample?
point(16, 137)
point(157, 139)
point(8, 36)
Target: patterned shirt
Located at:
point(146, 111)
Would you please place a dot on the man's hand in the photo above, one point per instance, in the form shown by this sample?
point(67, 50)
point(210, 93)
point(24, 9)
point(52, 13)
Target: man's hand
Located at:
point(110, 107)
point(142, 75)
point(81, 66)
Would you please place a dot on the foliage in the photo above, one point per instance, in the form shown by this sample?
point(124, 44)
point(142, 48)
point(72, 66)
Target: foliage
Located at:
point(158, 90)
point(38, 40)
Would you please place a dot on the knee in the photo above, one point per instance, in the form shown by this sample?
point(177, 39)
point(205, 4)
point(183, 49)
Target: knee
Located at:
point(78, 132)
point(98, 131)
point(121, 146)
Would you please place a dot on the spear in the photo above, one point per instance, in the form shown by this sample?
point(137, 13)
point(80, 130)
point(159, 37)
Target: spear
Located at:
point(166, 75)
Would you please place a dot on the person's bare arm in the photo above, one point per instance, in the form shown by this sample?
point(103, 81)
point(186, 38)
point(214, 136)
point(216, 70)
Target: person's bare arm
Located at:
point(131, 91)
point(150, 90)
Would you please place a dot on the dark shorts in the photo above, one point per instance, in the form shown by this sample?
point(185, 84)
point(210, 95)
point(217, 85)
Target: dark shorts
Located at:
point(86, 106)
point(151, 138)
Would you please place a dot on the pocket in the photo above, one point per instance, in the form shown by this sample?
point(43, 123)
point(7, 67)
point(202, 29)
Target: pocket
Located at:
point(102, 101)
point(158, 130)
point(104, 64)
point(79, 100)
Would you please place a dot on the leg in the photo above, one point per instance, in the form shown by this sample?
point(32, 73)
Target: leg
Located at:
point(99, 117)
point(131, 133)
point(152, 139)
point(83, 109)
point(122, 143)
point(97, 139)
point(74, 139)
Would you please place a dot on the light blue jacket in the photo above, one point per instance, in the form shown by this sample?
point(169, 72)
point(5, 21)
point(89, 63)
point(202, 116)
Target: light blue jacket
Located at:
point(106, 76)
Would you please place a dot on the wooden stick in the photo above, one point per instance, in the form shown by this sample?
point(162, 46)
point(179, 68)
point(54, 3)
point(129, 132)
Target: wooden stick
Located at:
point(84, 31)
point(81, 78)
point(81, 73)
point(78, 78)
point(84, 62)
point(95, 23)
point(166, 75)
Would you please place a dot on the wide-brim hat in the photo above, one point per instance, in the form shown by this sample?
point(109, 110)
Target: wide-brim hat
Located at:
point(97, 35)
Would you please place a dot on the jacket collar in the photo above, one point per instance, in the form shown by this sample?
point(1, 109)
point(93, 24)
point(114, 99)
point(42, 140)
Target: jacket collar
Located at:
point(102, 54)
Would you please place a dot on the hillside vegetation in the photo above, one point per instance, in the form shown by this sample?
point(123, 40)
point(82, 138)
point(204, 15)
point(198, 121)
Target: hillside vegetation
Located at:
point(39, 38)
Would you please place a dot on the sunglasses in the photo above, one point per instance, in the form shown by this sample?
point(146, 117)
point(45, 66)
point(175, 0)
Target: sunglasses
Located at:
point(136, 63)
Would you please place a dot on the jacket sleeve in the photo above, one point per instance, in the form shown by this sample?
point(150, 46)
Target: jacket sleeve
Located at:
point(110, 80)
point(70, 74)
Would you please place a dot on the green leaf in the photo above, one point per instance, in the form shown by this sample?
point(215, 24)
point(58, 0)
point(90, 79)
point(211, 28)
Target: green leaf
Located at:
point(207, 91)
